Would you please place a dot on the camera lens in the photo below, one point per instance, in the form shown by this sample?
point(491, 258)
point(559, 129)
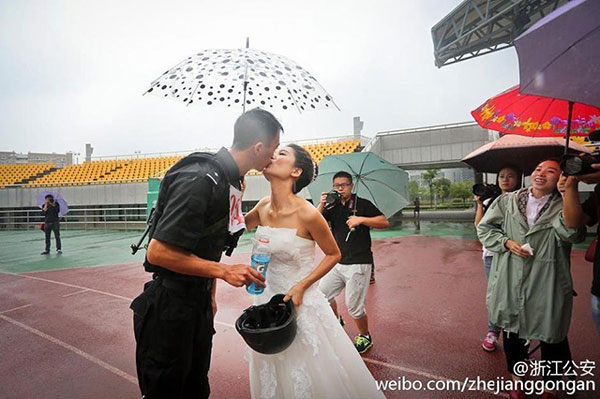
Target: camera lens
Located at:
point(332, 199)
point(572, 166)
point(479, 189)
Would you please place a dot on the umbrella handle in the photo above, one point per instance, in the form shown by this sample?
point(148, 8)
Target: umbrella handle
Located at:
point(350, 232)
point(246, 77)
point(569, 126)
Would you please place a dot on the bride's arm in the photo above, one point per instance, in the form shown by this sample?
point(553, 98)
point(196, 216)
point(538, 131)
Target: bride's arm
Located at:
point(253, 217)
point(319, 231)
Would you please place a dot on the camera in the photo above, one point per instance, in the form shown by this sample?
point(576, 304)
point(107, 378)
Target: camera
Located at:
point(575, 165)
point(333, 198)
point(485, 191)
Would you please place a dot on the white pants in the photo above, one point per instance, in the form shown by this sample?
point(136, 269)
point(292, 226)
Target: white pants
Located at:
point(356, 280)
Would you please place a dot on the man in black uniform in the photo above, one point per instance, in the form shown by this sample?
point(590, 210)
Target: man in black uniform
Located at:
point(173, 317)
point(350, 222)
point(50, 210)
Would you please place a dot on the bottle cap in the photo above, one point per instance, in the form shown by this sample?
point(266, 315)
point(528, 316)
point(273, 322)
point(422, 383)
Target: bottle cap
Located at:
point(263, 239)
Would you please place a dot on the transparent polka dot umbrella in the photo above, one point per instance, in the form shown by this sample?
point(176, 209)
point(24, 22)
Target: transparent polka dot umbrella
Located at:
point(242, 78)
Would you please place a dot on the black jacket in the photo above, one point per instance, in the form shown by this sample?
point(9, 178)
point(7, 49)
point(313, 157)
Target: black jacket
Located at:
point(51, 214)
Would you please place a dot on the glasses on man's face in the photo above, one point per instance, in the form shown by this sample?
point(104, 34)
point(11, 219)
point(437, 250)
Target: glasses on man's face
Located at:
point(341, 186)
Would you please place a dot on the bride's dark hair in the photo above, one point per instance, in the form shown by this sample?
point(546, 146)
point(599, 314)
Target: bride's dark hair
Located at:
point(308, 166)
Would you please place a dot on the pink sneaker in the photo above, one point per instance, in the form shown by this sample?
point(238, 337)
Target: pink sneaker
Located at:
point(489, 342)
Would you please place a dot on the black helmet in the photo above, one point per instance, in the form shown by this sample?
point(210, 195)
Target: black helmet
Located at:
point(269, 328)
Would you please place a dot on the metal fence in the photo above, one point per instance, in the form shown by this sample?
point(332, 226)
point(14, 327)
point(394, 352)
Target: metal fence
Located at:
point(129, 217)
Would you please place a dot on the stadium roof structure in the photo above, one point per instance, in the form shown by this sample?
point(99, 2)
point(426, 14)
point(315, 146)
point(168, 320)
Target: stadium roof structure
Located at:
point(478, 27)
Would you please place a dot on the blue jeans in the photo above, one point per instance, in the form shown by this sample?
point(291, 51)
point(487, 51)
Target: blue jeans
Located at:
point(596, 311)
point(487, 263)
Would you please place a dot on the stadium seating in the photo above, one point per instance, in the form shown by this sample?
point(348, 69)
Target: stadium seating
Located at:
point(77, 175)
point(18, 173)
point(140, 169)
point(321, 150)
point(110, 171)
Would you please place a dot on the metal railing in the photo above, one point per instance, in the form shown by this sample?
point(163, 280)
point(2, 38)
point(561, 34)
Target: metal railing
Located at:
point(115, 218)
point(84, 183)
point(163, 154)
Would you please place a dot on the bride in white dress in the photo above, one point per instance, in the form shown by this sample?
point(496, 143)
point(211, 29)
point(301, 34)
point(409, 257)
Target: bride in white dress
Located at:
point(322, 362)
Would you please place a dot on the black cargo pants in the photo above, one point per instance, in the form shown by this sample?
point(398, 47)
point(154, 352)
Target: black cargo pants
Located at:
point(173, 327)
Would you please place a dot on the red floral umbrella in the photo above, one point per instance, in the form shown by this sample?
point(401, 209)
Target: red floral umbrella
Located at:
point(512, 112)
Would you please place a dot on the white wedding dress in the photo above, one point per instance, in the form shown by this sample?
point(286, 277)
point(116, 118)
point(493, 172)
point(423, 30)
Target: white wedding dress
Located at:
point(322, 362)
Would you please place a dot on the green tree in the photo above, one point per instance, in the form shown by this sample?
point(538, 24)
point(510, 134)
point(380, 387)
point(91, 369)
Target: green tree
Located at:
point(428, 176)
point(461, 190)
point(413, 189)
point(442, 187)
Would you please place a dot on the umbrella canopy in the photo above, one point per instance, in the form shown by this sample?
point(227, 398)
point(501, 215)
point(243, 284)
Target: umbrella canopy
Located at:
point(512, 112)
point(559, 57)
point(64, 207)
point(242, 77)
point(523, 152)
point(375, 179)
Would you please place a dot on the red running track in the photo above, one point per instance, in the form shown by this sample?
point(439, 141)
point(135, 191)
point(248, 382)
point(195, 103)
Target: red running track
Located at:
point(68, 333)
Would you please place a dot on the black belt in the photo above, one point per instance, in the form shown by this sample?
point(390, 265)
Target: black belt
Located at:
point(185, 286)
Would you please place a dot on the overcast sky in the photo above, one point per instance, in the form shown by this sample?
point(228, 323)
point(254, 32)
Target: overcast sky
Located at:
point(73, 72)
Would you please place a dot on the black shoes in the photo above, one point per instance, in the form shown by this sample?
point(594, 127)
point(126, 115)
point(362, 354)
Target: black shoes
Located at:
point(58, 251)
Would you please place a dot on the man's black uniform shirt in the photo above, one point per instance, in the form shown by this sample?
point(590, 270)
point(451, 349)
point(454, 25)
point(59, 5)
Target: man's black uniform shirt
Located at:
point(357, 250)
point(193, 207)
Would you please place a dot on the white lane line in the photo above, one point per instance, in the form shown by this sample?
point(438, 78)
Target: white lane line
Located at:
point(393, 366)
point(68, 285)
point(75, 293)
point(73, 349)
point(17, 308)
point(423, 374)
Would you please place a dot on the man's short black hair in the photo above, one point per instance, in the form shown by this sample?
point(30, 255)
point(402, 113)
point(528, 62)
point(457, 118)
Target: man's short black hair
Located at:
point(254, 126)
point(343, 174)
point(49, 196)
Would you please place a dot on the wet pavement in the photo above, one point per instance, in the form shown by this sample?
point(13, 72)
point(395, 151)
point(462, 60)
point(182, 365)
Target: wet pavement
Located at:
point(67, 332)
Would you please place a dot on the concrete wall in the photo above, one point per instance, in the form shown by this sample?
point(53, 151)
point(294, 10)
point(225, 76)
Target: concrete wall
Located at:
point(101, 194)
point(257, 187)
point(441, 147)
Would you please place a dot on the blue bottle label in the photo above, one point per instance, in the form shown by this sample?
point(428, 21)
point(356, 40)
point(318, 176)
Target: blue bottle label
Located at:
point(259, 262)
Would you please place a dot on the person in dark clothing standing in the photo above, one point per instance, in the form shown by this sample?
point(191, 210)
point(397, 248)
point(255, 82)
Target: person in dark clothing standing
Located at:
point(576, 215)
point(351, 220)
point(198, 212)
point(50, 210)
point(417, 208)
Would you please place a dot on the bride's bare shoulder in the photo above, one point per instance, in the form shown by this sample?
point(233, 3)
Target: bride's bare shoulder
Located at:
point(307, 211)
point(263, 202)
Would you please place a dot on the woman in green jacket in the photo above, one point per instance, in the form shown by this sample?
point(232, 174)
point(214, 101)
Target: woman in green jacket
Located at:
point(530, 292)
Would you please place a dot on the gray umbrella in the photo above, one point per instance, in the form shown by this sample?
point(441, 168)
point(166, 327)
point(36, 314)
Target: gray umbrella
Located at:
point(559, 56)
point(241, 77)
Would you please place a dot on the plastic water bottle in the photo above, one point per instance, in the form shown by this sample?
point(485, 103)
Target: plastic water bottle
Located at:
point(261, 256)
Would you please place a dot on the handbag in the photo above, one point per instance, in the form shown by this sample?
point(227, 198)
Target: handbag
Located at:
point(41, 226)
point(590, 254)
